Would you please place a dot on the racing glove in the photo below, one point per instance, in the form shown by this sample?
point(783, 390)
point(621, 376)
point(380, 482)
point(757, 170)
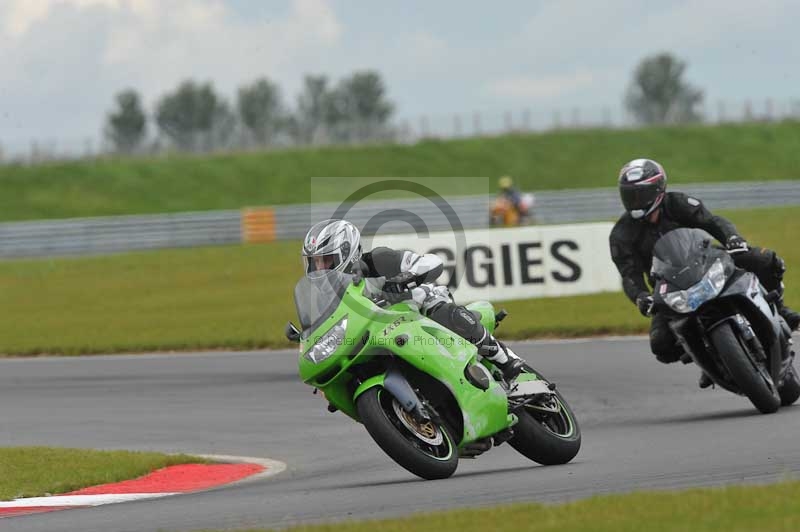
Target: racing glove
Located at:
point(736, 244)
point(398, 288)
point(401, 282)
point(645, 303)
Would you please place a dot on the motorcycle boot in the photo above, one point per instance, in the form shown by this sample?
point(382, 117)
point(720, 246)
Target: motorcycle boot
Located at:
point(509, 364)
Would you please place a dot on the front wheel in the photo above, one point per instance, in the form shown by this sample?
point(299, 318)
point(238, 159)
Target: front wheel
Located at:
point(547, 434)
point(752, 380)
point(423, 448)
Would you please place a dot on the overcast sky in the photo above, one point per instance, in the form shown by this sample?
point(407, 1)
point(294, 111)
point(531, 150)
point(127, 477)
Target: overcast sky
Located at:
point(63, 60)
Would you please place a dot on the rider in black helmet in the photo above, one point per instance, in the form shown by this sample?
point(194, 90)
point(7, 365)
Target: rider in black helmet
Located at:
point(651, 211)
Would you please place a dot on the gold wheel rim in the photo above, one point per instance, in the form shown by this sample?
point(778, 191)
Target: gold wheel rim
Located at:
point(427, 431)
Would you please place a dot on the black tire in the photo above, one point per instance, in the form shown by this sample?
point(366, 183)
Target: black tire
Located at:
point(790, 389)
point(403, 445)
point(547, 438)
point(734, 354)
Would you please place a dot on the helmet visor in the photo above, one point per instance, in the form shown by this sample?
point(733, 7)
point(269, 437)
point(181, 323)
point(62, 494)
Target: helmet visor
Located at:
point(638, 199)
point(320, 263)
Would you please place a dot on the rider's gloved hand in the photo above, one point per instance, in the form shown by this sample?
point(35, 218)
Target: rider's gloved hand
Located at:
point(736, 244)
point(645, 303)
point(398, 288)
point(401, 282)
point(396, 297)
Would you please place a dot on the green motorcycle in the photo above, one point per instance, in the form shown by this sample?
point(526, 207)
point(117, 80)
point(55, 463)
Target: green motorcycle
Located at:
point(422, 392)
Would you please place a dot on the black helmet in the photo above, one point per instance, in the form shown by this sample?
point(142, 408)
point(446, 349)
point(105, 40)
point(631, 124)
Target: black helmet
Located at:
point(642, 184)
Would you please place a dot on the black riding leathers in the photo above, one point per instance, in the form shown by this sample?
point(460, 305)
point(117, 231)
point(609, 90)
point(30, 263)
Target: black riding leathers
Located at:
point(632, 243)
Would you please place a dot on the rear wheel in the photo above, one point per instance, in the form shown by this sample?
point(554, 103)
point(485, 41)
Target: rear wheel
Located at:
point(790, 389)
point(423, 448)
point(750, 376)
point(548, 434)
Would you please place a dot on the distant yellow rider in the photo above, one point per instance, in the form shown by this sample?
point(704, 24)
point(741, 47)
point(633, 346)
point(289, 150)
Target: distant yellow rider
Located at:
point(510, 207)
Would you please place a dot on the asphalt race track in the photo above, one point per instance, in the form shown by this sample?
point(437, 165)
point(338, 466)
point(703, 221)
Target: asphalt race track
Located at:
point(644, 426)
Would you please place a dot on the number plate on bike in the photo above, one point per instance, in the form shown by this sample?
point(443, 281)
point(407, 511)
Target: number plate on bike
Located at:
point(530, 388)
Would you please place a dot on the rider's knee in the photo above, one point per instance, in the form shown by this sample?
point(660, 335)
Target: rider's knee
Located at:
point(459, 320)
point(669, 357)
point(664, 347)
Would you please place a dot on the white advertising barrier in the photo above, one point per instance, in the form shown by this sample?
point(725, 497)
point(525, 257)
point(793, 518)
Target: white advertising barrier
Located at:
point(518, 263)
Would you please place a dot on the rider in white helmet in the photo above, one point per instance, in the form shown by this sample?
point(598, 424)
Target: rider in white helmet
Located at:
point(336, 245)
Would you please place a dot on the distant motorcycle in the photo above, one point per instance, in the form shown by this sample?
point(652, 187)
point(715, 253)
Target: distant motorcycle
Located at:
point(423, 394)
point(503, 213)
point(724, 319)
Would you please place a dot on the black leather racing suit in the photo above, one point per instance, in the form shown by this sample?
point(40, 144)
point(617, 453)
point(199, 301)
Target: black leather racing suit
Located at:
point(632, 243)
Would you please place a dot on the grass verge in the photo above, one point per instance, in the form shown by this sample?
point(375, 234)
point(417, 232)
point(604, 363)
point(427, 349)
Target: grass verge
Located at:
point(553, 160)
point(732, 509)
point(38, 471)
point(240, 297)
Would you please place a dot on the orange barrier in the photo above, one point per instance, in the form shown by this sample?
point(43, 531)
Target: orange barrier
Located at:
point(258, 225)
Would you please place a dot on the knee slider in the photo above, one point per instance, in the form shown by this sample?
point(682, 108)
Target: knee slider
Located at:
point(464, 324)
point(664, 348)
point(667, 358)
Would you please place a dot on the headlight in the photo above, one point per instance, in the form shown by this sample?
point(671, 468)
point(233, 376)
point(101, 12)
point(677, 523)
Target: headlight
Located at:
point(709, 287)
point(327, 343)
point(677, 301)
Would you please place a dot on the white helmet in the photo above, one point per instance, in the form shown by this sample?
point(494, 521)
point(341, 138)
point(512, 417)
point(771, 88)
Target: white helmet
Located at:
point(331, 245)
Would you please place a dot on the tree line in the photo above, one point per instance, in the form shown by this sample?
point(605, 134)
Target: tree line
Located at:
point(194, 117)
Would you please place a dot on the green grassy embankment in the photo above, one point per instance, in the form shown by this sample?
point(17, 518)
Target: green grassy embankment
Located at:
point(240, 297)
point(553, 160)
point(38, 471)
point(729, 509)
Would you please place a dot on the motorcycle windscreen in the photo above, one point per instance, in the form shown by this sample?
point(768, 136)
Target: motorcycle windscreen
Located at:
point(683, 256)
point(318, 297)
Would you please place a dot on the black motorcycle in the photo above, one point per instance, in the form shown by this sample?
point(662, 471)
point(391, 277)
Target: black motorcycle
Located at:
point(724, 319)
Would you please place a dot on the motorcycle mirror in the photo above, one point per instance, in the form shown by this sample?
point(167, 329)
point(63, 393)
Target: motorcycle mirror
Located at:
point(292, 333)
